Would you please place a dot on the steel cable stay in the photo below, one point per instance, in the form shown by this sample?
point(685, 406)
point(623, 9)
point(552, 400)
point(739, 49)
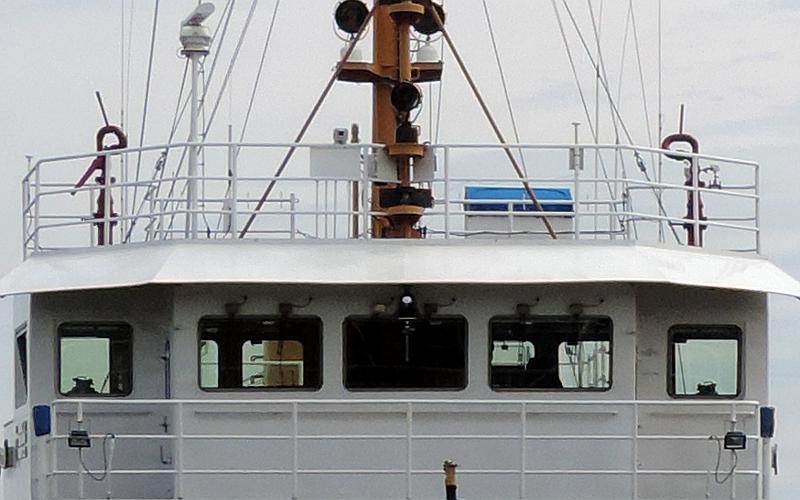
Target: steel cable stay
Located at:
point(485, 108)
point(615, 110)
point(285, 162)
point(504, 83)
point(254, 92)
point(160, 166)
point(592, 125)
point(146, 97)
point(208, 122)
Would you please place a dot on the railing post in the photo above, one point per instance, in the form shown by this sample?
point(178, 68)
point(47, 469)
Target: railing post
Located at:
point(52, 483)
point(234, 168)
point(81, 485)
point(759, 457)
point(409, 449)
point(523, 450)
point(107, 203)
point(295, 453)
point(635, 453)
point(179, 457)
point(446, 169)
point(293, 216)
point(576, 165)
point(36, 205)
point(758, 207)
point(695, 166)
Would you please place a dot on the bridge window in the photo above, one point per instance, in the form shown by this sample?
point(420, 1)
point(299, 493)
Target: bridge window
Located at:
point(705, 361)
point(550, 353)
point(385, 353)
point(95, 359)
point(260, 353)
point(21, 369)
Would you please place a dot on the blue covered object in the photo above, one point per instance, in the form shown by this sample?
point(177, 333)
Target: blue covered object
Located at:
point(767, 421)
point(548, 197)
point(41, 420)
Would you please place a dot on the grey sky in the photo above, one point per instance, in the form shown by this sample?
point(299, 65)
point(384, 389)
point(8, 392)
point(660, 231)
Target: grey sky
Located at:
point(734, 63)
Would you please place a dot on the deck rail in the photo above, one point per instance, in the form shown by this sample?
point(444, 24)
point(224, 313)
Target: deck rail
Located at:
point(613, 192)
point(733, 415)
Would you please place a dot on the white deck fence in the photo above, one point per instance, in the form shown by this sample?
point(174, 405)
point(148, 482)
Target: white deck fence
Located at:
point(622, 192)
point(394, 448)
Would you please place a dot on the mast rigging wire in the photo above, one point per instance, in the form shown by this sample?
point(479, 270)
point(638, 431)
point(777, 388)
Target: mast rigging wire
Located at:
point(615, 110)
point(260, 69)
point(232, 64)
point(160, 166)
point(307, 123)
point(146, 97)
point(505, 84)
point(462, 66)
point(592, 126)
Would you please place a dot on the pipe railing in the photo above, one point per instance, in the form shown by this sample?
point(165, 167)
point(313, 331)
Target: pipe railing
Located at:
point(732, 415)
point(55, 214)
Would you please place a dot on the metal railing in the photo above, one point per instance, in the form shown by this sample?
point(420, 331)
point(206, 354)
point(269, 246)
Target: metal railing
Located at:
point(630, 418)
point(615, 192)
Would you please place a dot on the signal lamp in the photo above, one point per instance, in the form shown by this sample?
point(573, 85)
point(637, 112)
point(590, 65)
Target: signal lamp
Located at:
point(406, 97)
point(426, 25)
point(350, 15)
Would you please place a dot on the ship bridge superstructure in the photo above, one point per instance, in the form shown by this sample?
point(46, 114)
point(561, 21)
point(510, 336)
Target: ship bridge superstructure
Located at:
point(338, 319)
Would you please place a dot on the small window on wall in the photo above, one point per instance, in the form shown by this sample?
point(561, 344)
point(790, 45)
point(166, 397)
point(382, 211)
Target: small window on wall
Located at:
point(260, 353)
point(21, 369)
point(95, 359)
point(705, 361)
point(386, 353)
point(550, 353)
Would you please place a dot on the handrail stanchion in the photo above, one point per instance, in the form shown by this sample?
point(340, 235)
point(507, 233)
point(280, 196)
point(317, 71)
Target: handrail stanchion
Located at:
point(523, 459)
point(759, 458)
point(107, 203)
point(81, 485)
point(53, 451)
point(695, 166)
point(758, 207)
point(234, 154)
point(37, 178)
point(295, 453)
point(293, 216)
point(576, 165)
point(635, 451)
point(179, 458)
point(409, 448)
point(446, 169)
point(365, 190)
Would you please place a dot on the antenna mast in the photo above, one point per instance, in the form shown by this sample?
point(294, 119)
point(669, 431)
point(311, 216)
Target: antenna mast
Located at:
point(395, 97)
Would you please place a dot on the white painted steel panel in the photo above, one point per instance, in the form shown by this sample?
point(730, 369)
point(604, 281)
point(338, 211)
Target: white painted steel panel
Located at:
point(392, 262)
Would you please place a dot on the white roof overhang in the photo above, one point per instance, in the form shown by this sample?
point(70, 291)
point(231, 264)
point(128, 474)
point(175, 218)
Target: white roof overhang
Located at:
point(391, 262)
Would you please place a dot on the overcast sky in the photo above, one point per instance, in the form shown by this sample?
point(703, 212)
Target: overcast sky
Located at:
point(734, 63)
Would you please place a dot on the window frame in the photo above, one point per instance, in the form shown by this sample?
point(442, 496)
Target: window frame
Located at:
point(21, 360)
point(737, 335)
point(125, 329)
point(545, 319)
point(263, 317)
point(462, 388)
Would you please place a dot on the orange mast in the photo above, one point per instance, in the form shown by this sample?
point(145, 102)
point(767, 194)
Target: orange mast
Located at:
point(395, 96)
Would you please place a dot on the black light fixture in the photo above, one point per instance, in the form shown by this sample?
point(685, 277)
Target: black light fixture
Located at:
point(407, 308)
point(350, 15)
point(406, 97)
point(426, 25)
